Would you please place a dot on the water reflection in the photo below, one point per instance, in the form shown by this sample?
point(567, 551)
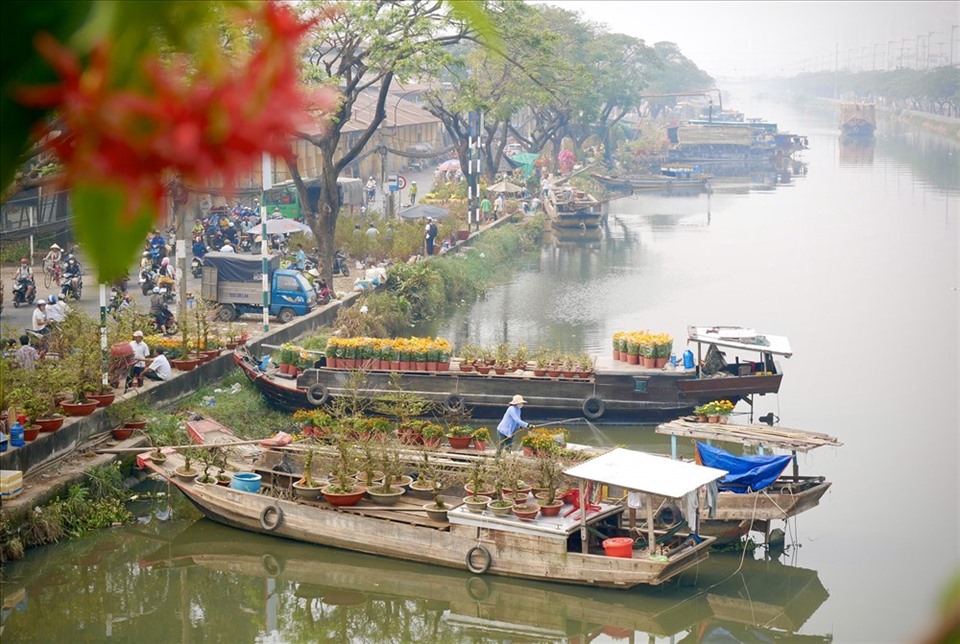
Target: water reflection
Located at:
point(856, 151)
point(205, 581)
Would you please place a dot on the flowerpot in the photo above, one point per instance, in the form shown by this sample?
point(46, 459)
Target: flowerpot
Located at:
point(463, 235)
point(484, 369)
point(701, 419)
point(409, 437)
point(551, 509)
point(395, 365)
point(433, 442)
point(618, 547)
point(51, 424)
point(518, 497)
point(224, 479)
point(633, 358)
point(184, 365)
point(526, 511)
point(435, 513)
point(722, 420)
point(443, 366)
point(307, 492)
point(121, 433)
point(135, 424)
point(500, 370)
point(713, 419)
point(231, 346)
point(500, 508)
point(31, 432)
point(246, 482)
point(616, 355)
point(422, 365)
point(649, 363)
point(480, 446)
point(211, 353)
point(284, 369)
point(568, 374)
point(476, 504)
point(660, 363)
point(186, 475)
point(103, 400)
point(485, 492)
point(79, 409)
point(539, 372)
point(403, 365)
point(431, 365)
point(158, 457)
point(344, 499)
point(529, 451)
point(380, 497)
point(421, 490)
point(466, 368)
point(584, 374)
point(460, 442)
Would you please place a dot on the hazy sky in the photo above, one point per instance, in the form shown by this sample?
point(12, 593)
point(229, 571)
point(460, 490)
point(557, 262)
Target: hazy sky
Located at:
point(734, 39)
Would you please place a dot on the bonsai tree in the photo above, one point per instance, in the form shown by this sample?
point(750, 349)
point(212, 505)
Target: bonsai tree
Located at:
point(30, 401)
point(520, 357)
point(502, 354)
point(80, 359)
point(478, 477)
point(129, 410)
point(550, 473)
point(469, 353)
point(398, 403)
point(392, 469)
point(209, 458)
point(189, 456)
point(343, 465)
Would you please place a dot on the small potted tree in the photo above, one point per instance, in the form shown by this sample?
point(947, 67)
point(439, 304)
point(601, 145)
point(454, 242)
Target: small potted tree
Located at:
point(500, 506)
point(129, 414)
point(478, 493)
point(343, 490)
point(551, 470)
point(388, 492)
point(307, 487)
point(481, 436)
point(186, 471)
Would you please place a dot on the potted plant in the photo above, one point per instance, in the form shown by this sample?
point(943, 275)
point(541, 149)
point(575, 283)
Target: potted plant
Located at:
point(520, 358)
point(499, 505)
point(130, 414)
point(307, 487)
point(501, 357)
point(31, 403)
point(232, 335)
point(80, 361)
point(700, 411)
point(210, 458)
point(343, 490)
point(437, 509)
point(432, 434)
point(422, 487)
point(187, 471)
point(388, 492)
point(460, 436)
point(527, 511)
point(477, 481)
point(551, 469)
point(541, 361)
point(468, 356)
point(481, 436)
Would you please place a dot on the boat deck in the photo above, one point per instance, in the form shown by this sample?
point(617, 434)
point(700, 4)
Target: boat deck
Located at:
point(559, 527)
point(406, 510)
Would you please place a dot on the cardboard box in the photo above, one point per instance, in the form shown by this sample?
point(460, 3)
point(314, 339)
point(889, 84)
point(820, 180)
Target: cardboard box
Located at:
point(11, 483)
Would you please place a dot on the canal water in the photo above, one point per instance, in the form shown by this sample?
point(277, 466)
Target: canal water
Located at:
point(853, 256)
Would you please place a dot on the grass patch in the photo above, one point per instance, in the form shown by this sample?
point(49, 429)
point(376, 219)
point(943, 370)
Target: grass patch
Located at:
point(245, 412)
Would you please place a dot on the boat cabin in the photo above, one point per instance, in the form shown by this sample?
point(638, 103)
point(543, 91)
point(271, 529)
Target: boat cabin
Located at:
point(753, 353)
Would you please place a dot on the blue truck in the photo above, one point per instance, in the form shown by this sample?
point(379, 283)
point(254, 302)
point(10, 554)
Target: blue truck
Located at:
point(234, 282)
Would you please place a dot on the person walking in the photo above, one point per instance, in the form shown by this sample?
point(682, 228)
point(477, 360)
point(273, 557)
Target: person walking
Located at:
point(485, 207)
point(26, 355)
point(498, 207)
point(413, 193)
point(430, 235)
point(510, 423)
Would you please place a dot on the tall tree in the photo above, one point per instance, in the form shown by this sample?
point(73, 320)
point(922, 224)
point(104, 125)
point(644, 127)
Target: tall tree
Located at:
point(363, 49)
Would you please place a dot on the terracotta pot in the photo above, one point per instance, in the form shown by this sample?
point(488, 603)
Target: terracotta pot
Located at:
point(344, 500)
point(649, 363)
point(432, 442)
point(500, 370)
point(460, 442)
point(616, 354)
point(660, 363)
point(184, 365)
point(569, 374)
point(466, 368)
point(135, 424)
point(713, 419)
point(431, 365)
point(480, 446)
point(539, 372)
point(31, 432)
point(701, 419)
point(526, 510)
point(551, 510)
point(211, 353)
point(50, 424)
point(584, 374)
point(395, 365)
point(633, 358)
point(553, 373)
point(476, 504)
point(443, 366)
point(403, 365)
point(103, 400)
point(484, 369)
point(231, 346)
point(122, 433)
point(307, 493)
point(79, 409)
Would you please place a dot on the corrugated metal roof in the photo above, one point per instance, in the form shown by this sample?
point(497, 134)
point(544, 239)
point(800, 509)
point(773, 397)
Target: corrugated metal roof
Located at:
point(645, 473)
point(400, 113)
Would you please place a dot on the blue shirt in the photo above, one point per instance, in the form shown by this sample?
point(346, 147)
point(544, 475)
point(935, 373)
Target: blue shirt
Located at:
point(301, 259)
point(511, 421)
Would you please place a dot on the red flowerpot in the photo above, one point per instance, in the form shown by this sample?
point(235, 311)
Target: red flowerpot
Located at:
point(79, 409)
point(480, 445)
point(31, 432)
point(460, 442)
point(184, 365)
point(135, 424)
point(395, 365)
point(483, 370)
point(345, 500)
point(649, 363)
point(404, 365)
point(443, 366)
point(633, 358)
point(50, 424)
point(231, 346)
point(551, 510)
point(103, 400)
point(121, 433)
point(500, 370)
point(431, 365)
point(466, 368)
point(539, 372)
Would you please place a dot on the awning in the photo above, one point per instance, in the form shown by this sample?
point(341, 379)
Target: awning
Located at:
point(644, 472)
point(738, 337)
point(424, 210)
point(505, 186)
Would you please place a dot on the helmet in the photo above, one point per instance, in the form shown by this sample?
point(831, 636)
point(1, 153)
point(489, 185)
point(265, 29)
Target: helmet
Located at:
point(53, 299)
point(156, 289)
point(71, 260)
point(41, 302)
point(146, 253)
point(165, 261)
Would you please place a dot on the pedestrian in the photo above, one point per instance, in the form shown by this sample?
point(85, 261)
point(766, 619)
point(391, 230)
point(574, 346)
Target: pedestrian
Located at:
point(498, 207)
point(413, 193)
point(159, 368)
point(510, 423)
point(372, 230)
point(430, 234)
point(26, 355)
point(485, 209)
point(140, 354)
point(301, 258)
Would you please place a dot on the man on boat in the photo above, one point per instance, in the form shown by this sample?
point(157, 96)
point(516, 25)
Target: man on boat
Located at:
point(510, 424)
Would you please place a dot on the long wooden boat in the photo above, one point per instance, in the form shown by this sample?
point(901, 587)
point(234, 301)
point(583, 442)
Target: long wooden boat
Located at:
point(568, 207)
point(788, 495)
point(614, 391)
point(858, 120)
point(564, 549)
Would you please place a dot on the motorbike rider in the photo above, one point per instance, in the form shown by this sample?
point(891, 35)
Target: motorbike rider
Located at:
point(24, 275)
point(167, 275)
point(159, 311)
point(199, 248)
point(40, 321)
point(231, 234)
point(56, 309)
point(72, 273)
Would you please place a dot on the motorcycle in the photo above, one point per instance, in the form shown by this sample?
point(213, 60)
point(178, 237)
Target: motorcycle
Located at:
point(196, 267)
point(148, 279)
point(24, 292)
point(340, 264)
point(169, 321)
point(72, 288)
point(246, 243)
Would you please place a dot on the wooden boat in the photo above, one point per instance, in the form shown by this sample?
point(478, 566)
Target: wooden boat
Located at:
point(672, 178)
point(565, 549)
point(568, 207)
point(858, 120)
point(788, 495)
point(614, 391)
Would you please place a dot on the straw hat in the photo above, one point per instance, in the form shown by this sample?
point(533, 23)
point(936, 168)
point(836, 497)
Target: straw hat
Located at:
point(517, 400)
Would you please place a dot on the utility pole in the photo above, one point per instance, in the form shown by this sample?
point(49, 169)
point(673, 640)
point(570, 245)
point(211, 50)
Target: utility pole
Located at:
point(926, 65)
point(952, 29)
point(874, 67)
point(887, 65)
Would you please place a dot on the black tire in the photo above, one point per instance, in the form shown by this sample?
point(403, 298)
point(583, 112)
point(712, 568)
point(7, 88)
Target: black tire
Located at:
point(172, 328)
point(265, 522)
point(478, 588)
point(226, 313)
point(454, 403)
point(668, 515)
point(271, 565)
point(285, 315)
point(593, 408)
point(484, 563)
point(317, 394)
point(145, 288)
point(16, 304)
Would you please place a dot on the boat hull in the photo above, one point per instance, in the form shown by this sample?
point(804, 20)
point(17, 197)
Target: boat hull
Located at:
point(630, 394)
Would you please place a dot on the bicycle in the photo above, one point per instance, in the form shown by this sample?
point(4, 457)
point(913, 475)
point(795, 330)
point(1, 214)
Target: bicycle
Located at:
point(52, 273)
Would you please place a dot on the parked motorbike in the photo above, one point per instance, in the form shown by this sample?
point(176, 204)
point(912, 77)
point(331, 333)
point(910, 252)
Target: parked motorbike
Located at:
point(196, 267)
point(24, 292)
point(340, 264)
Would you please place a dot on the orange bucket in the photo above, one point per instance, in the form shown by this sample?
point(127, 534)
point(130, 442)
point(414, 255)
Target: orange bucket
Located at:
point(619, 547)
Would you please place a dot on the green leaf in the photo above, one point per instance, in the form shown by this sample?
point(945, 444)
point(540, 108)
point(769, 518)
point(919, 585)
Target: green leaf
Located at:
point(110, 237)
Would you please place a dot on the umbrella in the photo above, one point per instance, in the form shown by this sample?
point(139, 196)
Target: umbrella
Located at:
point(284, 227)
point(450, 164)
point(505, 186)
point(424, 210)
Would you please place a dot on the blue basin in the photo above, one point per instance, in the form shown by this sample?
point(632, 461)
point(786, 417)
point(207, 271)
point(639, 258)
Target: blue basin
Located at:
point(246, 482)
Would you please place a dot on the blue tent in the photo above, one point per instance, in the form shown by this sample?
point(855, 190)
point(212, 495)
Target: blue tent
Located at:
point(746, 473)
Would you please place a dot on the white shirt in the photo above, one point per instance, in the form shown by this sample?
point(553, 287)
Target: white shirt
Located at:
point(55, 313)
point(162, 368)
point(39, 320)
point(226, 248)
point(140, 352)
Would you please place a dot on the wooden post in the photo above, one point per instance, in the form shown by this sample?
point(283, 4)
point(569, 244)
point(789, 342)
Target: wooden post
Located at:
point(583, 518)
point(651, 537)
point(796, 466)
point(632, 519)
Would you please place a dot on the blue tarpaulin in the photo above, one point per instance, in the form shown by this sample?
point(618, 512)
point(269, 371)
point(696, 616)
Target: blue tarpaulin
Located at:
point(746, 473)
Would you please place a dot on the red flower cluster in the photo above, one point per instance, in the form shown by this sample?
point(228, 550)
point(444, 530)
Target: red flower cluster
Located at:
point(197, 126)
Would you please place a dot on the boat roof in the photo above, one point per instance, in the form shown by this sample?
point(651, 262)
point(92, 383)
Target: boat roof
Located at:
point(644, 472)
point(751, 435)
point(738, 337)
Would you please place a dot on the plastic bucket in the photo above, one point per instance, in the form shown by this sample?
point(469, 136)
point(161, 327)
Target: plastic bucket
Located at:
point(246, 482)
point(619, 547)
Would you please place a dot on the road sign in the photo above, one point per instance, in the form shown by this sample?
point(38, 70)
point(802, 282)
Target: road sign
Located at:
point(401, 181)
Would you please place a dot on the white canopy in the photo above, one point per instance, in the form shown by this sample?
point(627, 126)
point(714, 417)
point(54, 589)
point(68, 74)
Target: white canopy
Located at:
point(738, 337)
point(645, 473)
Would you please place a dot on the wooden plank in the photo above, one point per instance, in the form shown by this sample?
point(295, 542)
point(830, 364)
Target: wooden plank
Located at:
point(774, 437)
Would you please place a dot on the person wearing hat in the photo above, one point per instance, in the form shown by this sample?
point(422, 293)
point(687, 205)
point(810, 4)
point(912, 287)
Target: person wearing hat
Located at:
point(40, 321)
point(430, 235)
point(510, 423)
point(53, 256)
point(413, 193)
point(140, 354)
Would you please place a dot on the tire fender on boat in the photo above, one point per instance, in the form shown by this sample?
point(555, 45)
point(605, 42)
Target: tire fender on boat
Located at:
point(454, 402)
point(668, 515)
point(317, 394)
point(593, 407)
point(271, 516)
point(485, 560)
point(271, 565)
